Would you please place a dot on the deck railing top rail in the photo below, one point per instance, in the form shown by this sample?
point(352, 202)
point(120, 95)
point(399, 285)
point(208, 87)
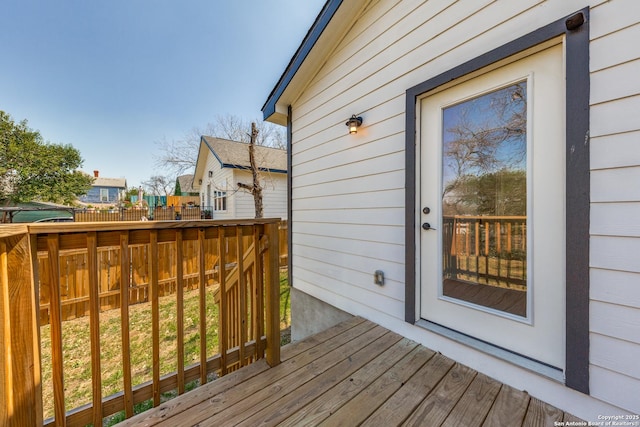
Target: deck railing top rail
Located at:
point(80, 227)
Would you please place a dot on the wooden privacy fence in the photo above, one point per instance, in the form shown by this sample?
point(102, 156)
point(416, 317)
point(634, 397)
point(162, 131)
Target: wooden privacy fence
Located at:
point(486, 249)
point(74, 289)
point(245, 282)
point(171, 213)
point(108, 215)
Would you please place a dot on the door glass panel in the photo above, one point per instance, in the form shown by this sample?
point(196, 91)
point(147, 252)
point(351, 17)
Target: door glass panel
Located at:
point(484, 200)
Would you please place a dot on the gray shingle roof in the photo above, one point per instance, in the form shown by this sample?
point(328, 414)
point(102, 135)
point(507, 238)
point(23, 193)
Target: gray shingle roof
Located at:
point(110, 182)
point(236, 155)
point(186, 184)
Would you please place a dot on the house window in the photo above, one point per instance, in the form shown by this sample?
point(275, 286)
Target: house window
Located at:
point(220, 200)
point(104, 194)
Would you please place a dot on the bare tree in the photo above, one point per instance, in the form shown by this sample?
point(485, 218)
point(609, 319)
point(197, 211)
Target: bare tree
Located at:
point(255, 188)
point(179, 156)
point(484, 153)
point(159, 185)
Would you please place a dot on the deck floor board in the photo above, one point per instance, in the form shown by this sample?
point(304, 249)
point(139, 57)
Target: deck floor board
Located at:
point(355, 373)
point(329, 394)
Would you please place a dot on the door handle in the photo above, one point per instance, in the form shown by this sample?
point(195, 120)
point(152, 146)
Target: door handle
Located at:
point(427, 226)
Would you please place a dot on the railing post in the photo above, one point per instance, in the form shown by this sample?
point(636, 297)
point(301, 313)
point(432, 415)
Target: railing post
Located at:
point(21, 394)
point(272, 294)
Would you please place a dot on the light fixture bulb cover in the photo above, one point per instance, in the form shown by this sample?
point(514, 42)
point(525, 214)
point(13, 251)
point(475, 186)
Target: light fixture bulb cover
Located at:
point(353, 123)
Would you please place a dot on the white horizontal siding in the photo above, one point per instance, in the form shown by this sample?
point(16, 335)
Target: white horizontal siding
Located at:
point(615, 321)
point(367, 216)
point(615, 253)
point(615, 185)
point(315, 261)
point(615, 195)
point(615, 287)
point(348, 191)
point(615, 355)
point(343, 287)
point(241, 204)
point(620, 219)
point(358, 167)
point(614, 83)
point(611, 386)
point(339, 246)
point(222, 180)
point(274, 189)
point(606, 20)
point(615, 117)
point(363, 232)
point(606, 51)
point(614, 151)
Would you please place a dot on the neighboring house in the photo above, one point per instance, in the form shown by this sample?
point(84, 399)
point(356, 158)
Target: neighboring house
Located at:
point(184, 186)
point(543, 294)
point(105, 190)
point(222, 164)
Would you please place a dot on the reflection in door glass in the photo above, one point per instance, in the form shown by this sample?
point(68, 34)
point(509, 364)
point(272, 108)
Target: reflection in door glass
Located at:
point(484, 200)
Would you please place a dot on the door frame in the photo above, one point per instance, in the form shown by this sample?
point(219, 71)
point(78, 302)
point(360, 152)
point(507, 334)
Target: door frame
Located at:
point(575, 27)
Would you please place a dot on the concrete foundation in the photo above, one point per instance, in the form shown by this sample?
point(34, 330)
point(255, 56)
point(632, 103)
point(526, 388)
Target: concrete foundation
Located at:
point(309, 315)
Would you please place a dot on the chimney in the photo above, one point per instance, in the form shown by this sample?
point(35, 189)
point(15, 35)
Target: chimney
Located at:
point(96, 173)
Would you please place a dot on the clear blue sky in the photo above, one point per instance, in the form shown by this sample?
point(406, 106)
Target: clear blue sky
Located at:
point(114, 77)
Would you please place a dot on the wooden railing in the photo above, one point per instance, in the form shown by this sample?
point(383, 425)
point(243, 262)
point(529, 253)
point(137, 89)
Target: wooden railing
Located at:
point(246, 291)
point(486, 249)
point(74, 289)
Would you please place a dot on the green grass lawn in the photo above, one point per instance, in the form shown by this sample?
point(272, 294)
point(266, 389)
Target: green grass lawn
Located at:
point(77, 357)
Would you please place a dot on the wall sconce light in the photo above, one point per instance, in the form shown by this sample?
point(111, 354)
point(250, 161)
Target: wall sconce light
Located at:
point(354, 123)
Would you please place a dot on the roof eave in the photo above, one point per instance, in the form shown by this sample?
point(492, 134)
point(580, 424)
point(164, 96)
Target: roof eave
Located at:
point(327, 30)
point(201, 162)
point(248, 168)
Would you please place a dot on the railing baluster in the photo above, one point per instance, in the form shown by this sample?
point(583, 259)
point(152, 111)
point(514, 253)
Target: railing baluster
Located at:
point(242, 291)
point(203, 308)
point(155, 313)
point(273, 296)
point(125, 280)
point(259, 294)
point(223, 324)
point(55, 322)
point(180, 309)
point(94, 325)
point(487, 238)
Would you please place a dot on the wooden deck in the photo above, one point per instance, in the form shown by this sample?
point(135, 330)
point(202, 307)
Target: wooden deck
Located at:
point(356, 373)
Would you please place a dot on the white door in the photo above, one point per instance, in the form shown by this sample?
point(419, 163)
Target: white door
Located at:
point(492, 179)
